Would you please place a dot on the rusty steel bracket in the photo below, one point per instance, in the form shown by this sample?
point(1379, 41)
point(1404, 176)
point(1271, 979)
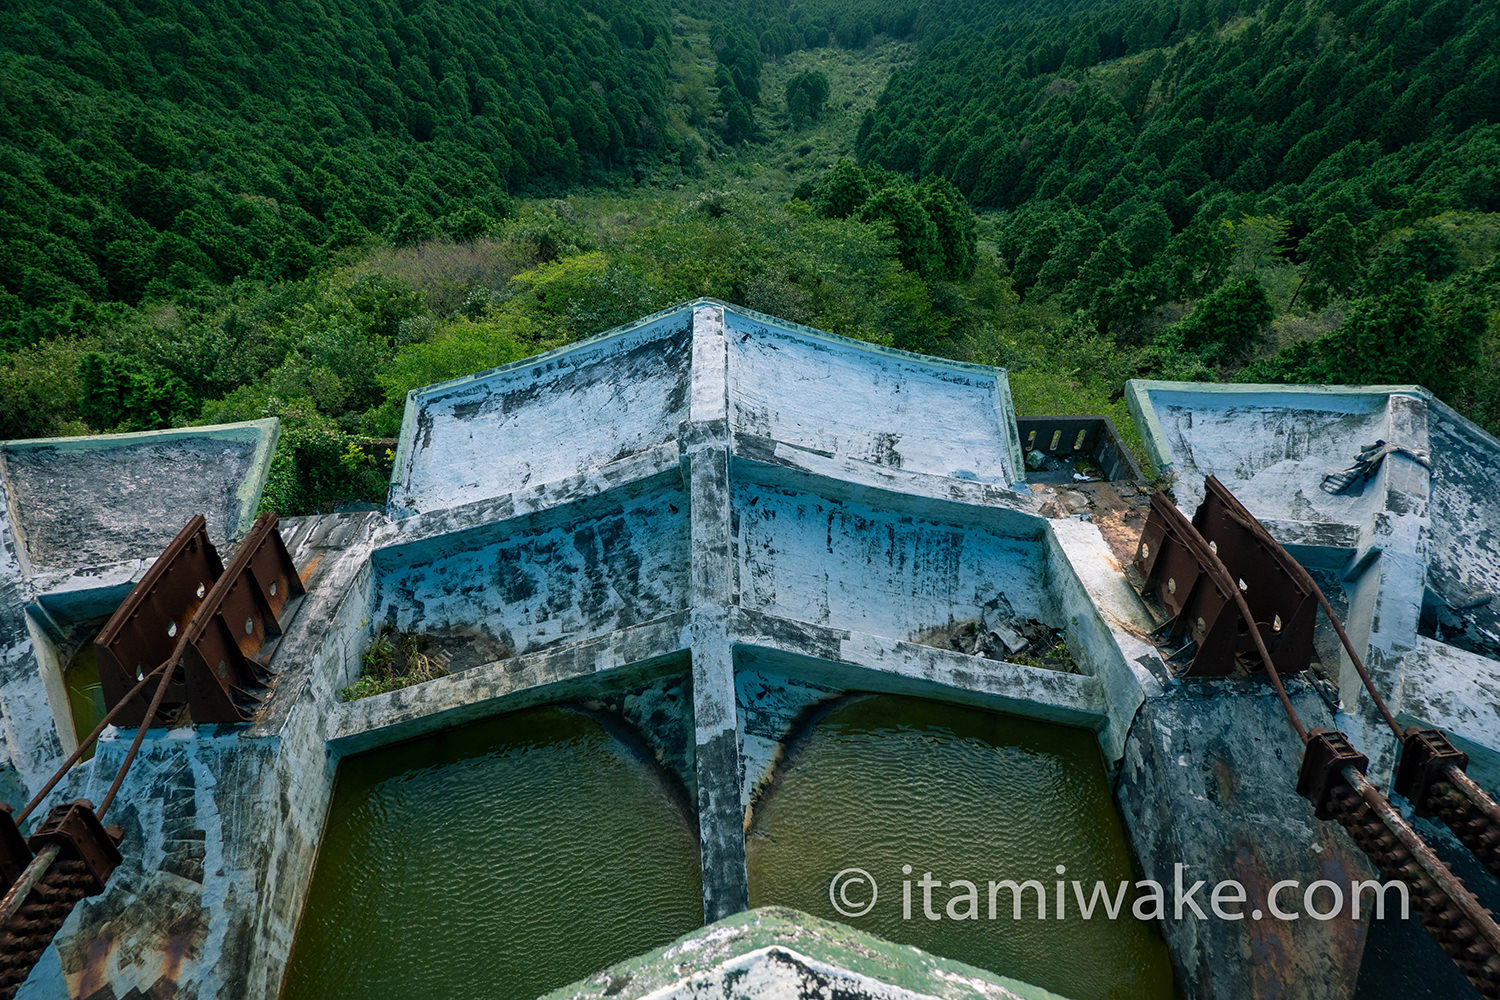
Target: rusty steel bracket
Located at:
point(1175, 564)
point(1426, 756)
point(1327, 755)
point(1176, 560)
point(146, 628)
point(1431, 775)
point(217, 624)
point(74, 856)
point(1282, 596)
point(74, 828)
point(225, 652)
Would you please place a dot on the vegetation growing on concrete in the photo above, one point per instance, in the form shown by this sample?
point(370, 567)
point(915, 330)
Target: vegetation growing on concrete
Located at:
point(394, 659)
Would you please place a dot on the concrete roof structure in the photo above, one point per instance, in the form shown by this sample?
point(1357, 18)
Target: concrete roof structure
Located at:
point(759, 508)
point(775, 953)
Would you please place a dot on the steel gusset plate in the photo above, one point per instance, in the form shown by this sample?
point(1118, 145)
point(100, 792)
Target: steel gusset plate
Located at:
point(147, 626)
point(1176, 562)
point(1172, 563)
point(217, 624)
point(1282, 597)
point(230, 638)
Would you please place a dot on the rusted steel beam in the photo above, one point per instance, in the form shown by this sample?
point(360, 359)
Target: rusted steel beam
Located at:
point(1177, 558)
point(222, 665)
point(215, 620)
point(146, 628)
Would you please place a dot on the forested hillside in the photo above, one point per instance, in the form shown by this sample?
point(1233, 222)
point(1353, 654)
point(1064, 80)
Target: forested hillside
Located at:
point(1151, 156)
point(153, 146)
point(247, 208)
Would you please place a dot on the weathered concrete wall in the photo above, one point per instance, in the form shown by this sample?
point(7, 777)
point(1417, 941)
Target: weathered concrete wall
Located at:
point(96, 501)
point(561, 575)
point(899, 569)
point(808, 391)
point(546, 418)
point(1465, 543)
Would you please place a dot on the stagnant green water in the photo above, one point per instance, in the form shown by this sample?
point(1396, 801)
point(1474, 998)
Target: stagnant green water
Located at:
point(882, 782)
point(498, 861)
point(85, 697)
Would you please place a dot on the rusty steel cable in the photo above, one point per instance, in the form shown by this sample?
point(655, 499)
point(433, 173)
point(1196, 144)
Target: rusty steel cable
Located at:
point(28, 880)
point(37, 919)
point(87, 742)
point(1469, 812)
point(18, 894)
point(167, 669)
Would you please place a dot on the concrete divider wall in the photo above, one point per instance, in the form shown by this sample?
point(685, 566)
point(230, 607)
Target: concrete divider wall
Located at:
point(544, 419)
point(832, 397)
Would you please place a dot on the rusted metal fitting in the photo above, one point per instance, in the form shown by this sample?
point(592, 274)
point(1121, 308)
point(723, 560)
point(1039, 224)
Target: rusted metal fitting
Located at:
point(1328, 754)
point(220, 624)
point(77, 831)
point(1178, 560)
point(1426, 756)
point(148, 625)
point(224, 653)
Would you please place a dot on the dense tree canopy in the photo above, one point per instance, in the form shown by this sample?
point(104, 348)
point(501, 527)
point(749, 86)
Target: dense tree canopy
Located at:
point(152, 146)
point(246, 208)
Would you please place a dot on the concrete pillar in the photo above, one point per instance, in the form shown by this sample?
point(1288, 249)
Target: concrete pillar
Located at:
point(705, 446)
point(1386, 598)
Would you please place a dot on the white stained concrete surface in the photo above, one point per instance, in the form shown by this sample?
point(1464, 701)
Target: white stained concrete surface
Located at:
point(757, 515)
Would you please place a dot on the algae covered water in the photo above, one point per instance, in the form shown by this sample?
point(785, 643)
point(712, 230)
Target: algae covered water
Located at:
point(883, 782)
point(500, 861)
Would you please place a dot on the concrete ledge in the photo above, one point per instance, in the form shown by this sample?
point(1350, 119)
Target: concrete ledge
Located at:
point(1454, 690)
point(840, 659)
point(504, 686)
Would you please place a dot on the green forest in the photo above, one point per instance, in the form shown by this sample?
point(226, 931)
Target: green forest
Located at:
point(245, 208)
